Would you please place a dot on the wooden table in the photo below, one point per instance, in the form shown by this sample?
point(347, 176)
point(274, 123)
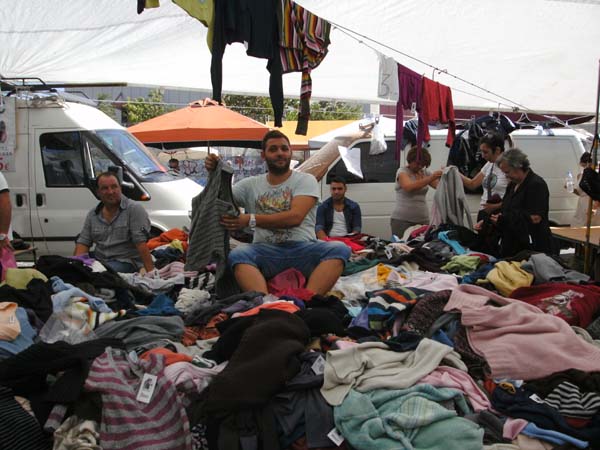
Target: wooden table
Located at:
point(577, 234)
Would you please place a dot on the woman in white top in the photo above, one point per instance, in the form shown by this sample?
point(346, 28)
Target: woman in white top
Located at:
point(490, 177)
point(412, 183)
point(580, 217)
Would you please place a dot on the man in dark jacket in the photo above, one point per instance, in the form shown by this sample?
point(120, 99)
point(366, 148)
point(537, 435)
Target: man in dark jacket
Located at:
point(338, 215)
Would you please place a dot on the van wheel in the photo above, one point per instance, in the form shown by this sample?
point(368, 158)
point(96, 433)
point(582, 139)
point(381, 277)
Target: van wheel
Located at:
point(155, 232)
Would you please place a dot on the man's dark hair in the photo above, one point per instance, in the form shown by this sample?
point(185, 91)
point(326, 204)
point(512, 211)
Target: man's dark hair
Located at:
point(338, 179)
point(173, 160)
point(107, 174)
point(273, 134)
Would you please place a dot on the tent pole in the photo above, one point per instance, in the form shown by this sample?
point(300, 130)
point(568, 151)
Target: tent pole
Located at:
point(588, 252)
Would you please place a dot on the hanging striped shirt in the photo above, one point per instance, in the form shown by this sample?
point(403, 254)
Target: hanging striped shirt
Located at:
point(303, 43)
point(128, 424)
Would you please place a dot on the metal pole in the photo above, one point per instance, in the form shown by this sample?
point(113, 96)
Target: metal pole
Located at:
point(588, 254)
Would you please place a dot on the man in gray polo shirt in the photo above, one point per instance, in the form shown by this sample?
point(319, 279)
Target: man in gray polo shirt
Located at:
point(119, 227)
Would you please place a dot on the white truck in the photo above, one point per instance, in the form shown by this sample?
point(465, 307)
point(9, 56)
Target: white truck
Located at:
point(552, 155)
point(51, 151)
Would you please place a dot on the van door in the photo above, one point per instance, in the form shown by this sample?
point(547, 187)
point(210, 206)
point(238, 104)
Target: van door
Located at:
point(552, 157)
point(374, 192)
point(62, 197)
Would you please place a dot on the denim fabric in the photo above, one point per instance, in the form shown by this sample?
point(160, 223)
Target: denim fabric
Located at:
point(352, 215)
point(272, 259)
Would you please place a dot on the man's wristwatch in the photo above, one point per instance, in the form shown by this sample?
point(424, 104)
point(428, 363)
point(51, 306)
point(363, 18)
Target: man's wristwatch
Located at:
point(3, 237)
point(252, 222)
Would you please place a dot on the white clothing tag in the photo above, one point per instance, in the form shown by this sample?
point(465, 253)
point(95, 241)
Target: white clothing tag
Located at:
point(413, 107)
point(318, 366)
point(133, 357)
point(12, 319)
point(335, 437)
point(147, 387)
point(388, 253)
point(536, 398)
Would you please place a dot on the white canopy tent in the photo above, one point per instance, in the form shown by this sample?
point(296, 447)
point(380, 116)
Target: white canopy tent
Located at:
point(540, 54)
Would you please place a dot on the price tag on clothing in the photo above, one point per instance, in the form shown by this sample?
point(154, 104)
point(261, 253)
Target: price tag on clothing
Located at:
point(147, 387)
point(335, 437)
point(388, 253)
point(536, 398)
point(133, 357)
point(413, 107)
point(318, 366)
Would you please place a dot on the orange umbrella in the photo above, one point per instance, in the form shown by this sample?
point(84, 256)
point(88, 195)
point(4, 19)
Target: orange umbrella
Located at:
point(200, 122)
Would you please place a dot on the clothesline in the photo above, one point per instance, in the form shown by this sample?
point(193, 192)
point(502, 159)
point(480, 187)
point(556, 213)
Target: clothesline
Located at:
point(351, 33)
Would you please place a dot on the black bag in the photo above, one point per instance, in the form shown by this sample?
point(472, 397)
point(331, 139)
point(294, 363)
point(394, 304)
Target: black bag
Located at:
point(590, 183)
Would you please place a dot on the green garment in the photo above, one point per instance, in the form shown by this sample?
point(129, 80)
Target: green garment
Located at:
point(407, 419)
point(353, 267)
point(462, 264)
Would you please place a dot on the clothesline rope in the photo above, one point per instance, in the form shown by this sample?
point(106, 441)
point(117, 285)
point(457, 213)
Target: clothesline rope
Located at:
point(354, 34)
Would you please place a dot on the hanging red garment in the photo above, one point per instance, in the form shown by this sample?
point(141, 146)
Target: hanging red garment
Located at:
point(437, 106)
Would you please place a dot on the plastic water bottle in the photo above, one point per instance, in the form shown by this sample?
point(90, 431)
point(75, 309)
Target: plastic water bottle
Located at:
point(569, 182)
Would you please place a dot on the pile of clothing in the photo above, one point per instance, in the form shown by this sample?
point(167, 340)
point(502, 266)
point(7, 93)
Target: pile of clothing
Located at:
point(421, 344)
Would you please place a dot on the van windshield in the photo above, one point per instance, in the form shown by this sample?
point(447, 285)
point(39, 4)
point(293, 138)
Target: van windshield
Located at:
point(137, 158)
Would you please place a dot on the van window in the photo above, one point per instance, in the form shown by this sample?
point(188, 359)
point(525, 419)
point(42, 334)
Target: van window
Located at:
point(131, 152)
point(100, 161)
point(375, 168)
point(62, 160)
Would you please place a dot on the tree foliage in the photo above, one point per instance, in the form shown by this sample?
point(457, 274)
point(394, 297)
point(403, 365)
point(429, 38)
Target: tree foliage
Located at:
point(141, 109)
point(105, 106)
point(259, 108)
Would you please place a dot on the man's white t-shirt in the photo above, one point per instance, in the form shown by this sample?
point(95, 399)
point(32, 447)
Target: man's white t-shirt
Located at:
point(257, 196)
point(339, 224)
point(494, 180)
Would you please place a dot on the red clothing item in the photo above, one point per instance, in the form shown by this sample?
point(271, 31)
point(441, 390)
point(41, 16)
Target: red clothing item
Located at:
point(281, 306)
point(288, 279)
point(576, 304)
point(349, 241)
point(170, 356)
point(437, 106)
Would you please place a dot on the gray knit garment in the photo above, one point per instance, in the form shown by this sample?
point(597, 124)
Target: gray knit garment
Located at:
point(208, 239)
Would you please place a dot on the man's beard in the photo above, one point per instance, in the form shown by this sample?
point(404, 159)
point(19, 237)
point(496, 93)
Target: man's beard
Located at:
point(276, 170)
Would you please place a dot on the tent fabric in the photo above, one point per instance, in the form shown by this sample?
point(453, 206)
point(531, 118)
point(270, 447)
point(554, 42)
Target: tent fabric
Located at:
point(315, 128)
point(519, 50)
point(196, 122)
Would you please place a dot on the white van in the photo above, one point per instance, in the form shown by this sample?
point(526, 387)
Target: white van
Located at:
point(60, 149)
point(551, 155)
